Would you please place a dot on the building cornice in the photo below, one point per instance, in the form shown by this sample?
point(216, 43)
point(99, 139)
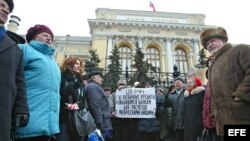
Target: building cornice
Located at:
point(95, 23)
point(105, 13)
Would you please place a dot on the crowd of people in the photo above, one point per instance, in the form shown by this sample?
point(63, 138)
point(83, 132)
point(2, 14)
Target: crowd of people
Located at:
point(37, 95)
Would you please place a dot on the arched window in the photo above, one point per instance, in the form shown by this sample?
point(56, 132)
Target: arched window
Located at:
point(153, 56)
point(126, 57)
point(181, 60)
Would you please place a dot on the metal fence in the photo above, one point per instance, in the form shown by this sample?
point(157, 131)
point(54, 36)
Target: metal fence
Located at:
point(158, 78)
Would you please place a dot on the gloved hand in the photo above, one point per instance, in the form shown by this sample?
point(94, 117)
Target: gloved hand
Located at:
point(108, 134)
point(72, 106)
point(21, 120)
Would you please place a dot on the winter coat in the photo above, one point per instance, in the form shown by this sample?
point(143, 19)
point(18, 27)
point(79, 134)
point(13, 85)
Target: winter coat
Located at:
point(229, 76)
point(98, 105)
point(12, 85)
point(42, 76)
point(208, 119)
point(193, 103)
point(178, 109)
point(69, 91)
point(153, 124)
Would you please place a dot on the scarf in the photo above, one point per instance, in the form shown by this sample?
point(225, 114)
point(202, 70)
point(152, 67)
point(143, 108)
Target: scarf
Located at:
point(2, 32)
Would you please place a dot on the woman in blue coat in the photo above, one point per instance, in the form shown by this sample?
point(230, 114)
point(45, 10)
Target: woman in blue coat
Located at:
point(42, 76)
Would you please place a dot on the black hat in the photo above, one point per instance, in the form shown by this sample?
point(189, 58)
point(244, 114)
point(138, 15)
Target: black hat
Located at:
point(180, 79)
point(94, 72)
point(10, 4)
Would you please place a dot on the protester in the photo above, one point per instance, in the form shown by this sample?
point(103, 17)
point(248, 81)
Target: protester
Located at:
point(193, 102)
point(121, 125)
point(42, 76)
point(72, 97)
point(13, 102)
point(84, 80)
point(228, 79)
point(98, 103)
point(110, 97)
point(170, 136)
point(148, 84)
point(177, 99)
point(137, 84)
point(171, 88)
point(152, 129)
point(208, 120)
point(164, 104)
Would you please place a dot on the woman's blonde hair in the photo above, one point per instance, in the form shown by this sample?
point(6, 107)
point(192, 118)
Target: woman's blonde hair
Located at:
point(69, 63)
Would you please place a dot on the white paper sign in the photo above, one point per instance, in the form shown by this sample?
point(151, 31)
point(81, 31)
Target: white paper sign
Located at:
point(135, 103)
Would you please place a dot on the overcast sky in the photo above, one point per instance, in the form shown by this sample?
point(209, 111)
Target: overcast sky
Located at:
point(69, 17)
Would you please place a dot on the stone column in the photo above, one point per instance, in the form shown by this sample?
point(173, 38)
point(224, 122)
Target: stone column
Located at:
point(163, 66)
point(191, 60)
point(140, 42)
point(169, 56)
point(196, 51)
point(109, 50)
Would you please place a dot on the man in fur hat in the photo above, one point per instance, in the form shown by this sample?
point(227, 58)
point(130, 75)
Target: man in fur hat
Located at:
point(229, 79)
point(13, 101)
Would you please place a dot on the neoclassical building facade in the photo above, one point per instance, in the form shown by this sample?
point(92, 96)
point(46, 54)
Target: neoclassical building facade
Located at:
point(166, 38)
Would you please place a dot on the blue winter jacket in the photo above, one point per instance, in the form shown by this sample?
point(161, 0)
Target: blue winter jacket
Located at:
point(43, 78)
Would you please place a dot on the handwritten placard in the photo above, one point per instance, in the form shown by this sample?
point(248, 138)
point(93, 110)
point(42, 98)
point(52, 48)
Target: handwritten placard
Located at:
point(135, 103)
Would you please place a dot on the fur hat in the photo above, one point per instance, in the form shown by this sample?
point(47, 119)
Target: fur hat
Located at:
point(33, 31)
point(217, 32)
point(161, 89)
point(122, 80)
point(180, 79)
point(107, 89)
point(10, 4)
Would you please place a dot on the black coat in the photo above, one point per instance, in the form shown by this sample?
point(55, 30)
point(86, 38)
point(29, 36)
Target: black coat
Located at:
point(12, 86)
point(178, 109)
point(71, 86)
point(193, 105)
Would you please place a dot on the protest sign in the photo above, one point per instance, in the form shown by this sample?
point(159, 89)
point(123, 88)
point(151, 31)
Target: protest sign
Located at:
point(135, 103)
